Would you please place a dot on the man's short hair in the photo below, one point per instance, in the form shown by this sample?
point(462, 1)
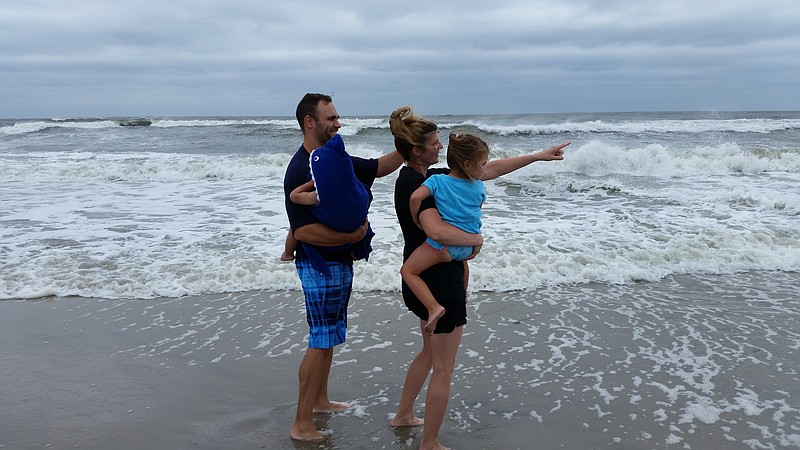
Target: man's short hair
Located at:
point(308, 106)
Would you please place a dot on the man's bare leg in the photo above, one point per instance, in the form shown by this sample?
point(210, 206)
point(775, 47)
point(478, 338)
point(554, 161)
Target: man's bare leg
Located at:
point(312, 375)
point(322, 404)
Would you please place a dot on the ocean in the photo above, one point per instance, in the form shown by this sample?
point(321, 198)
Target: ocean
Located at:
point(642, 293)
point(194, 205)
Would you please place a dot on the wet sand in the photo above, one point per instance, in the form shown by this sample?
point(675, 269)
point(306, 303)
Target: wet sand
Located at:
point(690, 362)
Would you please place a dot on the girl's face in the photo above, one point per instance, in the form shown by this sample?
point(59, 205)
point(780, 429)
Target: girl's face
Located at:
point(476, 167)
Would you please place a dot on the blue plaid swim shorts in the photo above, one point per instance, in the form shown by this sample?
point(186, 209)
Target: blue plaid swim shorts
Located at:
point(326, 302)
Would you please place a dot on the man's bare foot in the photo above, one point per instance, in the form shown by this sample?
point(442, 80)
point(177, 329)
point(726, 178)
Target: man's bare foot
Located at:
point(412, 421)
point(309, 436)
point(433, 317)
point(332, 407)
point(287, 256)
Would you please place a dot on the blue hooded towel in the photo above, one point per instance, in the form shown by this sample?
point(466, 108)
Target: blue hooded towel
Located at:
point(343, 199)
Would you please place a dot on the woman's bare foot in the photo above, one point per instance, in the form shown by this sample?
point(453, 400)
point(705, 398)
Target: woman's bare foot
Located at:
point(332, 407)
point(312, 435)
point(436, 446)
point(433, 317)
point(412, 421)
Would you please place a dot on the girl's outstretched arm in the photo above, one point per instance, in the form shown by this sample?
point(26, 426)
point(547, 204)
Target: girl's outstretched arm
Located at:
point(499, 167)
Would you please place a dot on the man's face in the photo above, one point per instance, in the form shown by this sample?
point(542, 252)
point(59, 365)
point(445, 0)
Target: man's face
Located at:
point(327, 123)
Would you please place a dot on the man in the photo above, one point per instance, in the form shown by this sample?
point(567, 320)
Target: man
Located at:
point(326, 295)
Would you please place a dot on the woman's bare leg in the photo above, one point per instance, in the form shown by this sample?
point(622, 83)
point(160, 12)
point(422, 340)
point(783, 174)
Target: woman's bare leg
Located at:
point(444, 347)
point(418, 372)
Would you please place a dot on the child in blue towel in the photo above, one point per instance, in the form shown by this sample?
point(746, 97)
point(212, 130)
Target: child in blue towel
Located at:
point(338, 199)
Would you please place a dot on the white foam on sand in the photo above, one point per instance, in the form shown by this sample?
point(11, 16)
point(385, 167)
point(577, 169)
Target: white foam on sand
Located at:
point(676, 362)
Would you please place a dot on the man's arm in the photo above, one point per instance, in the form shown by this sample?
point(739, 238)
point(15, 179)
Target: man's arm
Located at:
point(319, 234)
point(388, 163)
point(499, 167)
point(444, 233)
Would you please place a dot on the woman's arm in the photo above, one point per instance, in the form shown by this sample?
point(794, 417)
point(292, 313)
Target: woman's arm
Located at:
point(499, 167)
point(444, 233)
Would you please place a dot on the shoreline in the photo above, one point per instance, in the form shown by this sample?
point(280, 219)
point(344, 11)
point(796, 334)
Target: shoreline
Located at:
point(693, 361)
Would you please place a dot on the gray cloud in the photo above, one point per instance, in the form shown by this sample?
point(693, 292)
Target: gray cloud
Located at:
point(95, 58)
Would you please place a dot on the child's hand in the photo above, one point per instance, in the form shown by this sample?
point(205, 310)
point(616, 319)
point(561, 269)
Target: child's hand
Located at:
point(475, 250)
point(555, 153)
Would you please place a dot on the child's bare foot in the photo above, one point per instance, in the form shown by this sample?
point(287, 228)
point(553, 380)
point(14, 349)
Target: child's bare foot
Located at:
point(286, 256)
point(433, 317)
point(331, 407)
point(412, 421)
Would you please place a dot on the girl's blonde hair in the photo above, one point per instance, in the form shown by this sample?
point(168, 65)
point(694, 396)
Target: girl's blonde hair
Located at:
point(465, 147)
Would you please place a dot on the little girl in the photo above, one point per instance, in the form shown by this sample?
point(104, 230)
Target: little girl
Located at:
point(458, 197)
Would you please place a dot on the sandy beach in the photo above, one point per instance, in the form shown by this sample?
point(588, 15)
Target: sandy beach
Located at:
point(690, 362)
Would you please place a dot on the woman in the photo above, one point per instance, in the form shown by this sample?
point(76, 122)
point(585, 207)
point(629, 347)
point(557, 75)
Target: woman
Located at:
point(417, 140)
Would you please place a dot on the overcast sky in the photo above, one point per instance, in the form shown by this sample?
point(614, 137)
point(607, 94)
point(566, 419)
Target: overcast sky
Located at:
point(237, 57)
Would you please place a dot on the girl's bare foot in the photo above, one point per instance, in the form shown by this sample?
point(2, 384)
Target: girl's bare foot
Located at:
point(433, 317)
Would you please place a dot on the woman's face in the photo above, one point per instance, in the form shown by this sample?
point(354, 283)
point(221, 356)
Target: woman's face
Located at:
point(429, 155)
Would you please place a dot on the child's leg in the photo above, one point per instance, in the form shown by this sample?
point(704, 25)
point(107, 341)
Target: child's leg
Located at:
point(289, 247)
point(423, 258)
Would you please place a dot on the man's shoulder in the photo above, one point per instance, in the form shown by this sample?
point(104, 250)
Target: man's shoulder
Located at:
point(299, 161)
point(300, 155)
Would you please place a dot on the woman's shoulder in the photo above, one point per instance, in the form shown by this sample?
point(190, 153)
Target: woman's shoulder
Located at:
point(408, 174)
point(407, 181)
point(438, 171)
